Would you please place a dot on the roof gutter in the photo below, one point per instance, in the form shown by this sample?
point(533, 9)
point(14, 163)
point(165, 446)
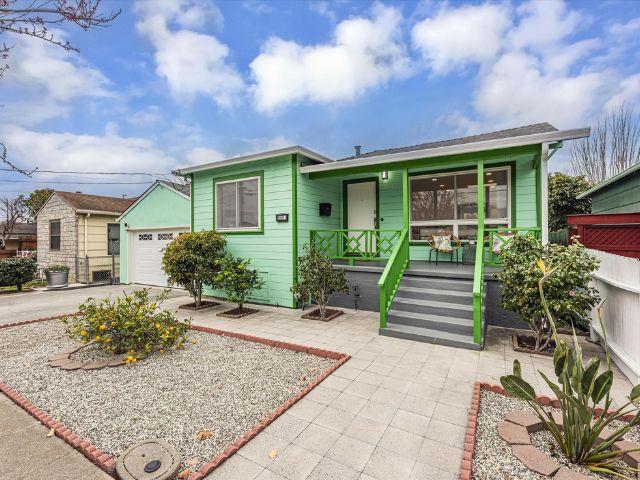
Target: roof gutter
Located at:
point(523, 140)
point(97, 212)
point(297, 149)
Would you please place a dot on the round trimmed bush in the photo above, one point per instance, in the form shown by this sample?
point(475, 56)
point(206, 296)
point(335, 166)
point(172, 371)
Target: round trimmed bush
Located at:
point(17, 271)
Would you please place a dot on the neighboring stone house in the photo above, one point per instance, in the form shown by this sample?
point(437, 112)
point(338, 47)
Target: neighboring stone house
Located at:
point(80, 231)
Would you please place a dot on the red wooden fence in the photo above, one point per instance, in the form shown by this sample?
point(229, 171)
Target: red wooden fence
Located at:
point(617, 233)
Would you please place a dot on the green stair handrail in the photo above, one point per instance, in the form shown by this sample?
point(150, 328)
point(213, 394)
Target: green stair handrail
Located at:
point(392, 274)
point(478, 286)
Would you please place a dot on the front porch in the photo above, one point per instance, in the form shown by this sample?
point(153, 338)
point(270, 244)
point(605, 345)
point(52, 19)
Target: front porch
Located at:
point(391, 216)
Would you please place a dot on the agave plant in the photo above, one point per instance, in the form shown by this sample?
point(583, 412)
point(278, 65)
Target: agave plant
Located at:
point(580, 389)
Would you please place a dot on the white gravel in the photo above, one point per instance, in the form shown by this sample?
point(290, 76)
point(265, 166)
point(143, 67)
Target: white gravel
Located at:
point(492, 458)
point(220, 384)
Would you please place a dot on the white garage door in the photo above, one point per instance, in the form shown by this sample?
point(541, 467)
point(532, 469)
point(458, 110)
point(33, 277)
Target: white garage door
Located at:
point(147, 249)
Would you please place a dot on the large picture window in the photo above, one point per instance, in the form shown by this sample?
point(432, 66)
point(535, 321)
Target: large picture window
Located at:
point(54, 235)
point(448, 203)
point(238, 205)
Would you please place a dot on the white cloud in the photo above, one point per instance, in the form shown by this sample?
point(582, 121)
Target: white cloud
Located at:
point(364, 53)
point(516, 91)
point(202, 155)
point(44, 80)
point(151, 115)
point(67, 151)
point(323, 8)
point(628, 93)
point(456, 36)
point(632, 27)
point(191, 62)
point(543, 24)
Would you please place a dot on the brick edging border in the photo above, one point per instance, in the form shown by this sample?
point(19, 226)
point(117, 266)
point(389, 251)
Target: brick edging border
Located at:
point(107, 463)
point(466, 467)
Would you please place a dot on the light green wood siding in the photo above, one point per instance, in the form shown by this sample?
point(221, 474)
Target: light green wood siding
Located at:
point(271, 251)
point(161, 207)
point(622, 196)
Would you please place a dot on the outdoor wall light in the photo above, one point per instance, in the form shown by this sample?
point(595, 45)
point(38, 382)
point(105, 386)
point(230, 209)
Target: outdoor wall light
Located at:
point(384, 175)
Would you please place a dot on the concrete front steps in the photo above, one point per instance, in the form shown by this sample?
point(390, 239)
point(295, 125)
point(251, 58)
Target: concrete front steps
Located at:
point(433, 307)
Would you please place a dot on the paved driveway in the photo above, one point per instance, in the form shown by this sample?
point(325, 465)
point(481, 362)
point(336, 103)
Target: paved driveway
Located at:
point(30, 305)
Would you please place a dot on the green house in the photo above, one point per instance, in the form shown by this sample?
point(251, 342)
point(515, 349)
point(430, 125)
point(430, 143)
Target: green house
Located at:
point(147, 226)
point(375, 213)
point(618, 194)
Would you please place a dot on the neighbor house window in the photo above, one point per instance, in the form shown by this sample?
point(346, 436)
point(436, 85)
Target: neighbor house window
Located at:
point(238, 204)
point(448, 203)
point(113, 239)
point(54, 235)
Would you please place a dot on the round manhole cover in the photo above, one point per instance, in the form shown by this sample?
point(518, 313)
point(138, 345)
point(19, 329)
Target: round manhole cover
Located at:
point(151, 459)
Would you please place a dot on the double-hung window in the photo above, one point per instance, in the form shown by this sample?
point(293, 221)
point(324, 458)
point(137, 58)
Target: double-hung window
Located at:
point(54, 235)
point(238, 205)
point(448, 203)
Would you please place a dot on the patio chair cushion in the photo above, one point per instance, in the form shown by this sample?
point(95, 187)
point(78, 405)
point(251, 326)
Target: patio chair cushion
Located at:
point(442, 243)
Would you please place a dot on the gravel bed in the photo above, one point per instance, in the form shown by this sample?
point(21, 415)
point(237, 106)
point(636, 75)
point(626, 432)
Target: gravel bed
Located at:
point(221, 384)
point(493, 459)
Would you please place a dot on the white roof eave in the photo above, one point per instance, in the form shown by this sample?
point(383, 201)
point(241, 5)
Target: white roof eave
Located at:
point(256, 156)
point(523, 140)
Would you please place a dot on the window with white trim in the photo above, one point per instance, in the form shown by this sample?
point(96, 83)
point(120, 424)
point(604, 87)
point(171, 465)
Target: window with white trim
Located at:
point(448, 203)
point(238, 204)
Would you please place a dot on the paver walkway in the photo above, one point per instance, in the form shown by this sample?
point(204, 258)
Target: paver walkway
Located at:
point(396, 410)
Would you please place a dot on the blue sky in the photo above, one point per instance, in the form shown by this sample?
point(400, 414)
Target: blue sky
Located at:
point(173, 83)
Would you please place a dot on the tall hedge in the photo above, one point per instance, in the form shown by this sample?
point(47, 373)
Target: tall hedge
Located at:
point(17, 271)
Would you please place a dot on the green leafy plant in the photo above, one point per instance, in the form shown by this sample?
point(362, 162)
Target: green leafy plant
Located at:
point(238, 280)
point(193, 260)
point(133, 325)
point(569, 295)
point(17, 271)
point(563, 190)
point(580, 390)
point(317, 279)
point(56, 268)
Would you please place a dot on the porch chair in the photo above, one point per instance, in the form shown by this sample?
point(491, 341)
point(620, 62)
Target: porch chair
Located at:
point(444, 243)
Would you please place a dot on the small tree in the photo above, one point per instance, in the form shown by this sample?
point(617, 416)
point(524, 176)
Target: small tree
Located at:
point(193, 260)
point(317, 279)
point(238, 280)
point(36, 200)
point(568, 292)
point(563, 190)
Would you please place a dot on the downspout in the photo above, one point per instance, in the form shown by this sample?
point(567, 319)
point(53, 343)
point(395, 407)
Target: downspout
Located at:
point(86, 233)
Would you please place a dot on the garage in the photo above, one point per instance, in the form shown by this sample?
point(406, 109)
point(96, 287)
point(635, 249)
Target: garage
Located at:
point(158, 216)
point(146, 255)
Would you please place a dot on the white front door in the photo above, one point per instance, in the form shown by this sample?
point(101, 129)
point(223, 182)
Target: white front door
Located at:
point(361, 211)
point(146, 255)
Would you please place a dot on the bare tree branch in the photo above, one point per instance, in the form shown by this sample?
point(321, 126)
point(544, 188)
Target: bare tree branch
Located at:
point(32, 17)
point(11, 212)
point(3, 159)
point(614, 146)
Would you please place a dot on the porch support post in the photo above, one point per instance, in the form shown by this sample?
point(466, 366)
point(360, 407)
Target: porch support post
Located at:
point(544, 192)
point(480, 194)
point(405, 198)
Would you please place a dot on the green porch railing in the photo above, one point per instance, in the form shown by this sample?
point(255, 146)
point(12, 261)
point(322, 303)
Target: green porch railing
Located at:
point(500, 238)
point(350, 244)
point(392, 274)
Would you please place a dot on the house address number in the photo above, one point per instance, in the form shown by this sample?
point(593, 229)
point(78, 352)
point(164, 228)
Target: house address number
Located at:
point(282, 217)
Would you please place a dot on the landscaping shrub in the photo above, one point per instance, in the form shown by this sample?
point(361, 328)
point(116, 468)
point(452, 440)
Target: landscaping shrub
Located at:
point(17, 271)
point(193, 260)
point(133, 325)
point(568, 293)
point(317, 279)
point(56, 268)
point(580, 390)
point(238, 280)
